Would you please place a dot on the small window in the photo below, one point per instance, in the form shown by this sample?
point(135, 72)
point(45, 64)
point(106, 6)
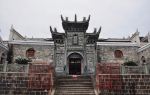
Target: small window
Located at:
point(30, 53)
point(118, 54)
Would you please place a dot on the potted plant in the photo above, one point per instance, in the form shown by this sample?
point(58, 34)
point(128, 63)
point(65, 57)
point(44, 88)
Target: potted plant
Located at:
point(21, 60)
point(130, 63)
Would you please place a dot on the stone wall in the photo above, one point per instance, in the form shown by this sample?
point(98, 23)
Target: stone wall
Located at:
point(129, 84)
point(106, 53)
point(112, 79)
point(59, 57)
point(44, 52)
point(21, 84)
point(33, 79)
point(91, 58)
point(134, 69)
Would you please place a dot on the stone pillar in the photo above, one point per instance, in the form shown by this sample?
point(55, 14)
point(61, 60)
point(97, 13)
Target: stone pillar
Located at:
point(5, 66)
point(146, 68)
point(122, 69)
point(27, 69)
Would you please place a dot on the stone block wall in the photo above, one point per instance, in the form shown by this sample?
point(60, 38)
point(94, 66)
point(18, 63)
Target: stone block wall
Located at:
point(44, 52)
point(26, 80)
point(91, 58)
point(134, 69)
point(112, 79)
point(127, 84)
point(106, 53)
point(18, 84)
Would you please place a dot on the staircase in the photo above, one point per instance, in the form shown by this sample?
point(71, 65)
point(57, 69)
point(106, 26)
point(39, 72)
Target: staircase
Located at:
point(81, 85)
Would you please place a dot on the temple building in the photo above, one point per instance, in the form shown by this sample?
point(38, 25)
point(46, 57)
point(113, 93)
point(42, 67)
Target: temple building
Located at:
point(76, 51)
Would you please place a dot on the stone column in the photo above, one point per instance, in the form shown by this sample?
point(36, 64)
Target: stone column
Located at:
point(146, 68)
point(5, 66)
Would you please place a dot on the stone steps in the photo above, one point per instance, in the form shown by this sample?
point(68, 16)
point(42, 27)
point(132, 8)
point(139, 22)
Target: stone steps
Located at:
point(82, 85)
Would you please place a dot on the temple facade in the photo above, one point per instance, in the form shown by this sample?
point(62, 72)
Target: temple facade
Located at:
point(75, 51)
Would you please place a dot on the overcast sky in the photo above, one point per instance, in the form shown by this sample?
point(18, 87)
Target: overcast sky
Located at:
point(32, 18)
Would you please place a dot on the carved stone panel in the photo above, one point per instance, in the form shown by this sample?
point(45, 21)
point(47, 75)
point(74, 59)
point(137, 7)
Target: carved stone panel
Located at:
point(59, 59)
point(90, 62)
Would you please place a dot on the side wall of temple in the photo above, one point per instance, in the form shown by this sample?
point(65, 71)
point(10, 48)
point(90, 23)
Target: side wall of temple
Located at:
point(107, 53)
point(42, 52)
point(91, 56)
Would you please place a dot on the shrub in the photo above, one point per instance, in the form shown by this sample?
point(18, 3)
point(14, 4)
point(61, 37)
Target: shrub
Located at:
point(130, 63)
point(21, 60)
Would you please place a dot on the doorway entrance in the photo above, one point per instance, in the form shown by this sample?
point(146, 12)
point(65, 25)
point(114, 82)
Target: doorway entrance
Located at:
point(74, 63)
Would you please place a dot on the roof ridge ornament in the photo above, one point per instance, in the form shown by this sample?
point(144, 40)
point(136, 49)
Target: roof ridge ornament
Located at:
point(84, 18)
point(75, 19)
point(95, 30)
point(99, 30)
point(89, 18)
point(12, 28)
point(62, 18)
point(55, 30)
point(66, 18)
point(51, 29)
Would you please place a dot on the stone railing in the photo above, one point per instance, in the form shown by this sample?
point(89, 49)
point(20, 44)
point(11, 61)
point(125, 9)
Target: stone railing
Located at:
point(13, 67)
point(134, 70)
point(33, 79)
point(17, 68)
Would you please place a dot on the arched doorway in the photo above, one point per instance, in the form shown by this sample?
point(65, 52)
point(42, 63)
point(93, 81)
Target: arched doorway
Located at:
point(74, 63)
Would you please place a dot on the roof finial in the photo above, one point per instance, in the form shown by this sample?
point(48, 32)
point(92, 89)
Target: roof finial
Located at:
point(12, 26)
point(75, 18)
point(84, 18)
point(66, 18)
point(51, 29)
point(137, 30)
point(55, 30)
point(99, 30)
point(95, 30)
point(62, 18)
point(89, 18)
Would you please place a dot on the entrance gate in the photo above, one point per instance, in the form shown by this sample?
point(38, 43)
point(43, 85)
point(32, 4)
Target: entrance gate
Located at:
point(74, 63)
